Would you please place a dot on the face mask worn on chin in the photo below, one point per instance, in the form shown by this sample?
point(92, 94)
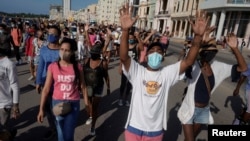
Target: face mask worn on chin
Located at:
point(65, 56)
point(52, 38)
point(95, 56)
point(154, 60)
point(208, 55)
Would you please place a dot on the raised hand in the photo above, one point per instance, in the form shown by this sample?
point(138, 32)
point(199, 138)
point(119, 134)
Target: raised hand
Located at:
point(126, 18)
point(200, 25)
point(232, 40)
point(206, 36)
point(86, 27)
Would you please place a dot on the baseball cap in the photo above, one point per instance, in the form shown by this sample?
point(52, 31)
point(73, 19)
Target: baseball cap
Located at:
point(155, 44)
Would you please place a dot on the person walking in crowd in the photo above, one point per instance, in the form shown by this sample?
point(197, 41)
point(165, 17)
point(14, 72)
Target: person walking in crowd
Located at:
point(48, 54)
point(30, 52)
point(67, 77)
point(243, 44)
point(16, 34)
point(38, 42)
point(9, 95)
point(95, 71)
point(186, 48)
point(207, 74)
point(133, 52)
point(147, 117)
point(5, 39)
point(164, 39)
point(81, 49)
point(245, 115)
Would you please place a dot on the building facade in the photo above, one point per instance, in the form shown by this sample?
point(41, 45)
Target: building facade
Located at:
point(108, 11)
point(56, 12)
point(229, 16)
point(181, 11)
point(162, 18)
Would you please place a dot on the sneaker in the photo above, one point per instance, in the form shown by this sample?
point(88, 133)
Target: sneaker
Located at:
point(89, 121)
point(127, 103)
point(92, 131)
point(120, 102)
point(50, 135)
point(31, 78)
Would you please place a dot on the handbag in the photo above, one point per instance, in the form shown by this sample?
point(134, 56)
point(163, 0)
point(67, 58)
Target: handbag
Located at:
point(62, 108)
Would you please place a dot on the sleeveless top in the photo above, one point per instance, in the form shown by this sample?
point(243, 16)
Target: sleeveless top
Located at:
point(94, 77)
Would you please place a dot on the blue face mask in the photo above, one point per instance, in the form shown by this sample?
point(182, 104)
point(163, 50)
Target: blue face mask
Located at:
point(131, 41)
point(154, 60)
point(52, 38)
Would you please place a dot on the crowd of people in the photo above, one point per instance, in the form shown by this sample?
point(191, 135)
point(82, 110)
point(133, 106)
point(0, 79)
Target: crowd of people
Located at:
point(64, 65)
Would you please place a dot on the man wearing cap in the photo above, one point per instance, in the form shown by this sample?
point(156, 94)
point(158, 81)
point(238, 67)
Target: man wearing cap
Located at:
point(147, 117)
point(207, 74)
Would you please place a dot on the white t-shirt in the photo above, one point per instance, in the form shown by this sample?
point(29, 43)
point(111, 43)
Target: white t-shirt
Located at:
point(148, 110)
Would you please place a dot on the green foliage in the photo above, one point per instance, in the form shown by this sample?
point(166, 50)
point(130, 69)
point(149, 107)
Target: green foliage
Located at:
point(23, 15)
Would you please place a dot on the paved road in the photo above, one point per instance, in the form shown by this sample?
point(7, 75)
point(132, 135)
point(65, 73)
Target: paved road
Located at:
point(112, 117)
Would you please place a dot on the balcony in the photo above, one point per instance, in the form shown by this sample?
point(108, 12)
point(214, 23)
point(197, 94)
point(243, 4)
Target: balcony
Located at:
point(163, 14)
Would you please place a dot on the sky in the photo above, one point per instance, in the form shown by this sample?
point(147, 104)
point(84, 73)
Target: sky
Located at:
point(39, 6)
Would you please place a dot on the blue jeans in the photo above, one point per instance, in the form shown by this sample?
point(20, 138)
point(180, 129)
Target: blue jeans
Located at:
point(66, 124)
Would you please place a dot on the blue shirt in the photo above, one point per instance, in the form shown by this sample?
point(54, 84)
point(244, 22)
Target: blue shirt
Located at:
point(47, 56)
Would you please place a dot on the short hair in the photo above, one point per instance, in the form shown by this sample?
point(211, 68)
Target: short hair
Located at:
point(57, 28)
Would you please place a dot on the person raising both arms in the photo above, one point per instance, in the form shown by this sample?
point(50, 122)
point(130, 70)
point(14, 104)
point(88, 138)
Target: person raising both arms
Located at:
point(147, 117)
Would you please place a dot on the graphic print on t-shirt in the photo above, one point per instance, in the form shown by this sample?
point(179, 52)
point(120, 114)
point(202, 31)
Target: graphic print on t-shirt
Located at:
point(152, 87)
point(66, 86)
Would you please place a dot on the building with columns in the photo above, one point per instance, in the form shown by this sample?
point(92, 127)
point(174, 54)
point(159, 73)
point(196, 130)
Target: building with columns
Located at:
point(162, 20)
point(66, 8)
point(229, 16)
point(151, 13)
point(108, 11)
point(143, 12)
point(181, 11)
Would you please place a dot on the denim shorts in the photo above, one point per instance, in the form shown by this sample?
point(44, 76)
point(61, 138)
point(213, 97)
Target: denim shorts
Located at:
point(201, 115)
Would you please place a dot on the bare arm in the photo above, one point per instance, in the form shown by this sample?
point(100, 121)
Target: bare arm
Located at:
point(140, 43)
point(86, 28)
point(199, 27)
point(126, 23)
point(149, 36)
point(232, 42)
point(44, 95)
point(240, 82)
